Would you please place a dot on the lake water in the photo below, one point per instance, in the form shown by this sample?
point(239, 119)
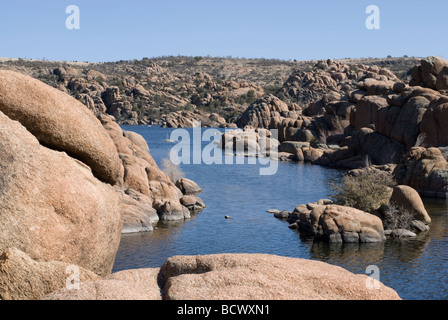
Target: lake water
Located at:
point(416, 269)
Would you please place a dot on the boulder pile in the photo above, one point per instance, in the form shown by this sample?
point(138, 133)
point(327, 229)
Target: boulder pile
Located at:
point(324, 220)
point(70, 185)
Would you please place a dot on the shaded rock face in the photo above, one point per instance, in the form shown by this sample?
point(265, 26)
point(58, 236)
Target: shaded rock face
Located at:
point(232, 277)
point(52, 207)
point(138, 213)
point(59, 122)
point(366, 110)
point(334, 223)
point(425, 170)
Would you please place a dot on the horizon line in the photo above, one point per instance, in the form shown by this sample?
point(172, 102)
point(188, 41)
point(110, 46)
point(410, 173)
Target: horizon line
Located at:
point(228, 57)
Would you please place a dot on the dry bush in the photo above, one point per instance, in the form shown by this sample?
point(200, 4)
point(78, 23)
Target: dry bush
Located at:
point(396, 217)
point(420, 141)
point(173, 171)
point(366, 191)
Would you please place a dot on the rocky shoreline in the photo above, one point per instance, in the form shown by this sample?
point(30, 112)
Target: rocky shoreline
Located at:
point(70, 185)
point(72, 181)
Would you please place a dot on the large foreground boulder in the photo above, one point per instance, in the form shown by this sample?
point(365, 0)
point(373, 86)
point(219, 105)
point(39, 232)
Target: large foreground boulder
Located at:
point(59, 122)
point(233, 277)
point(263, 277)
point(51, 205)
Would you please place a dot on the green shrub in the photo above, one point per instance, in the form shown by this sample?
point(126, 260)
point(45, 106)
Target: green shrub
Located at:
point(250, 96)
point(366, 191)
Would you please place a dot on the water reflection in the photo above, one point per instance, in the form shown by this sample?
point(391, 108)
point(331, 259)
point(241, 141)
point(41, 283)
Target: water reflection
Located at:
point(414, 267)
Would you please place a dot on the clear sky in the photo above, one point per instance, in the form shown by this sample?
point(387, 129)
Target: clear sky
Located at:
point(112, 30)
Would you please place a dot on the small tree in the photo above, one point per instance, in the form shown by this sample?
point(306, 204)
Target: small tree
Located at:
point(251, 96)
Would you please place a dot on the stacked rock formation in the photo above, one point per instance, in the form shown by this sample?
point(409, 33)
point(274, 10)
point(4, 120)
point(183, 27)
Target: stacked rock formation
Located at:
point(70, 184)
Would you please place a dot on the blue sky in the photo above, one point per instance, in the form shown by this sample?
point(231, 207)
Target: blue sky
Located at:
point(284, 29)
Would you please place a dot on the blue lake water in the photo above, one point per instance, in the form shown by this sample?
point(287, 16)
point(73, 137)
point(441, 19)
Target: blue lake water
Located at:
point(416, 269)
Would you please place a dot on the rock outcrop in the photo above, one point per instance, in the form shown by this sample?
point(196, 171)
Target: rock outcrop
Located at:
point(147, 188)
point(433, 129)
point(403, 214)
point(59, 122)
point(189, 119)
point(192, 203)
point(407, 198)
point(335, 223)
point(327, 107)
point(249, 142)
point(402, 115)
point(259, 113)
point(425, 170)
point(51, 205)
point(233, 277)
point(327, 77)
point(432, 73)
point(388, 120)
point(188, 187)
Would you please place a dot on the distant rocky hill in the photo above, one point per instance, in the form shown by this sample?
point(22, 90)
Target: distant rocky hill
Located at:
point(176, 91)
point(355, 116)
